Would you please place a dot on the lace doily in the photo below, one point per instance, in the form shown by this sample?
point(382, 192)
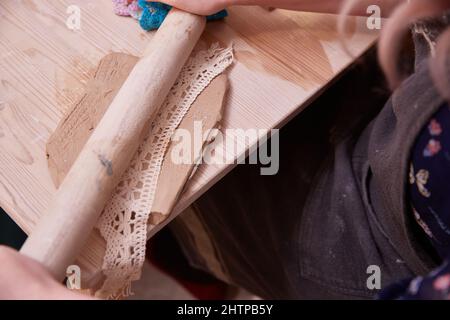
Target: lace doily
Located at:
point(123, 223)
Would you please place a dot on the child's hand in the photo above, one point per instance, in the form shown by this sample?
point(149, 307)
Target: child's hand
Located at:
point(200, 7)
point(22, 278)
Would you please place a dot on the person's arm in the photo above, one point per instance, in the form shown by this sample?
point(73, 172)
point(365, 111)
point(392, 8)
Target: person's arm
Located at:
point(323, 6)
point(207, 7)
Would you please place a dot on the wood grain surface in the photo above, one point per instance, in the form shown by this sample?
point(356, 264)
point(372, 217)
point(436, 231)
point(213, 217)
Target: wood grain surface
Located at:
point(283, 61)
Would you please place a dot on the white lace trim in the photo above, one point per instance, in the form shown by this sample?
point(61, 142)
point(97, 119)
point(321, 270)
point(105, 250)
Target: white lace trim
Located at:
point(123, 223)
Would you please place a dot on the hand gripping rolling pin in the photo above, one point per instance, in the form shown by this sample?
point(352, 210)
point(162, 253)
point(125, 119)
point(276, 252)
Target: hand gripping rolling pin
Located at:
point(64, 229)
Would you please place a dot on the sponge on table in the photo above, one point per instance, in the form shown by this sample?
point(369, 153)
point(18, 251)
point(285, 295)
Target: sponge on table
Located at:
point(150, 14)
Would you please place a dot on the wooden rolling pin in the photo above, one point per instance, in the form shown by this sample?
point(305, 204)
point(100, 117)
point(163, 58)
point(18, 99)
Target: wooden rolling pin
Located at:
point(64, 229)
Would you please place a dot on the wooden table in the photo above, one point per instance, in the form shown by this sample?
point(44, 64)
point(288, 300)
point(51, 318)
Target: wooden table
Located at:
point(283, 61)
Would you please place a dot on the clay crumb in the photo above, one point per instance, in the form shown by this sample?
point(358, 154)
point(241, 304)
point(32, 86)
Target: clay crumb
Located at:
point(107, 164)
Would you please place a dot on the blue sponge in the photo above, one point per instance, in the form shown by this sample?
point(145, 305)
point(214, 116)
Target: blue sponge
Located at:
point(154, 13)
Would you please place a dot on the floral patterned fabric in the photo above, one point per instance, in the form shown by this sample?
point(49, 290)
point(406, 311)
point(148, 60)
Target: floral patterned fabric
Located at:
point(429, 192)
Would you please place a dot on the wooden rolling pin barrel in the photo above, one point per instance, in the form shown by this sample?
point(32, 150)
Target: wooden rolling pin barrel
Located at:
point(79, 201)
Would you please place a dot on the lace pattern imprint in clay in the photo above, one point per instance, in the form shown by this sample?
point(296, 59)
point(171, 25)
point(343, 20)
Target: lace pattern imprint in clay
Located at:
point(123, 223)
